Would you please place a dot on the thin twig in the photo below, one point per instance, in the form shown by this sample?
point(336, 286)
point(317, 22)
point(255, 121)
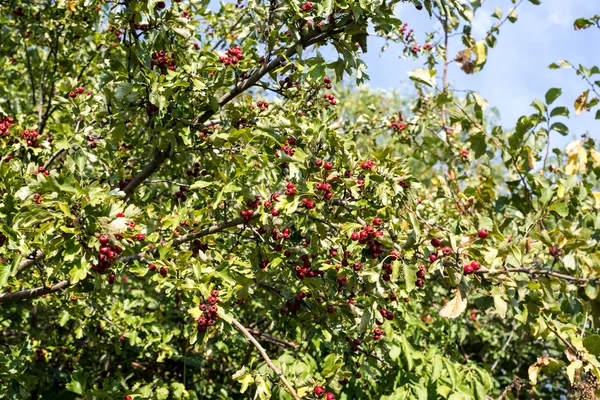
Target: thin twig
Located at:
point(265, 356)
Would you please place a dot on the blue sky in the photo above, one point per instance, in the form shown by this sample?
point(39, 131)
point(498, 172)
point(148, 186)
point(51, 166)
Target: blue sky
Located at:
point(517, 68)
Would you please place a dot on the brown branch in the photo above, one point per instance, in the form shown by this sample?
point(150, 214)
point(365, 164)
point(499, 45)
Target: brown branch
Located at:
point(274, 339)
point(265, 356)
point(28, 262)
point(532, 272)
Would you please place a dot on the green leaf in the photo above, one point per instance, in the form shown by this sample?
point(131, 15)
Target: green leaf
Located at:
point(560, 208)
point(591, 290)
point(424, 76)
point(592, 344)
point(560, 111)
point(365, 321)
point(560, 128)
point(501, 306)
point(552, 95)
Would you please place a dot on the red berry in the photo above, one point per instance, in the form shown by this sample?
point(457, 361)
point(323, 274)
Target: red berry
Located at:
point(475, 265)
point(319, 391)
point(330, 396)
point(435, 242)
point(163, 272)
point(103, 239)
point(80, 90)
point(483, 233)
point(468, 269)
point(140, 236)
point(377, 221)
point(328, 165)
point(419, 282)
point(72, 95)
point(433, 257)
point(354, 236)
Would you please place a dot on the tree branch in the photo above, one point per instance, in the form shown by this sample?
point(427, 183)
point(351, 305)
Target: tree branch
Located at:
point(312, 38)
point(36, 292)
point(532, 272)
point(265, 356)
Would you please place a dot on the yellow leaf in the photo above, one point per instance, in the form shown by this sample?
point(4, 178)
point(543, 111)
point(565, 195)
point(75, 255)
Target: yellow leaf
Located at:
point(581, 102)
point(597, 198)
point(72, 5)
point(577, 158)
point(454, 307)
point(596, 157)
point(195, 312)
point(534, 369)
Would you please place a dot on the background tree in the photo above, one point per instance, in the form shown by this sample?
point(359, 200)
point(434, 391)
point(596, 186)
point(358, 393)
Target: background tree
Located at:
point(195, 206)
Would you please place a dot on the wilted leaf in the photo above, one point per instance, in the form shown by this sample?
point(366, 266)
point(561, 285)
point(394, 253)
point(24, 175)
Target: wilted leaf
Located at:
point(456, 306)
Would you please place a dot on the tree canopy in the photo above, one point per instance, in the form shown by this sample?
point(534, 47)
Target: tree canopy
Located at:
point(207, 201)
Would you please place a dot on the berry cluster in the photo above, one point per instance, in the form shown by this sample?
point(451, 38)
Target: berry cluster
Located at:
point(234, 54)
point(555, 252)
point(398, 125)
point(472, 267)
point(5, 123)
point(38, 198)
point(387, 271)
point(262, 105)
point(368, 165)
point(308, 203)
point(306, 6)
point(320, 391)
point(290, 189)
point(77, 91)
point(31, 137)
point(211, 311)
point(293, 306)
point(247, 214)
point(163, 271)
point(106, 255)
point(327, 82)
point(342, 281)
point(389, 315)
point(160, 59)
point(287, 147)
point(367, 236)
point(42, 170)
point(305, 270)
point(404, 33)
point(90, 139)
point(326, 188)
point(180, 195)
point(196, 171)
point(151, 109)
point(421, 275)
point(141, 27)
point(377, 333)
point(331, 99)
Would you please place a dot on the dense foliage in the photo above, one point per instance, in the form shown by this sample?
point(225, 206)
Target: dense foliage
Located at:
point(193, 205)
